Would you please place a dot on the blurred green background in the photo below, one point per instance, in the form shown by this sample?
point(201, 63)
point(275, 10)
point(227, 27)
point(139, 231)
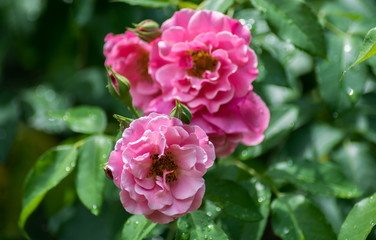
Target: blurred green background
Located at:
point(51, 59)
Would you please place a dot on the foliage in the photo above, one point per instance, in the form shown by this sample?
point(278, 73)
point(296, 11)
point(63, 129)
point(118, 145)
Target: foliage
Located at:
point(311, 178)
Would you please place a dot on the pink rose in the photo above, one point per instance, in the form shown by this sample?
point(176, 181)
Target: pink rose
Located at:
point(129, 56)
point(203, 59)
point(158, 164)
point(241, 120)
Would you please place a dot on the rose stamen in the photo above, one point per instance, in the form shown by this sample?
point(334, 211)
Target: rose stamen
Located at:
point(161, 164)
point(143, 63)
point(202, 61)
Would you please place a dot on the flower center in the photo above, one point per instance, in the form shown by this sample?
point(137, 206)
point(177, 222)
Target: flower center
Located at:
point(202, 61)
point(143, 63)
point(161, 164)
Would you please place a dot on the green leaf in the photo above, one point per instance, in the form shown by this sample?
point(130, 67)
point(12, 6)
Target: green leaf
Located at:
point(137, 227)
point(240, 230)
point(232, 198)
point(282, 121)
point(368, 47)
point(360, 221)
point(296, 218)
point(358, 161)
point(319, 178)
point(218, 5)
point(271, 70)
point(86, 119)
point(313, 141)
point(198, 225)
point(148, 3)
point(340, 95)
point(49, 170)
point(90, 179)
point(294, 21)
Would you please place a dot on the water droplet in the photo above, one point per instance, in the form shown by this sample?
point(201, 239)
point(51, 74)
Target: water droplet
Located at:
point(185, 235)
point(371, 197)
point(262, 68)
point(128, 222)
point(350, 91)
point(292, 124)
point(94, 206)
point(209, 214)
point(67, 169)
point(244, 153)
point(73, 164)
point(210, 227)
point(218, 209)
point(260, 199)
point(136, 222)
point(335, 115)
point(289, 162)
point(104, 156)
point(347, 47)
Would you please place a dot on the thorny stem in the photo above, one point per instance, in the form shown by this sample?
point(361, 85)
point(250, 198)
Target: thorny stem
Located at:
point(254, 173)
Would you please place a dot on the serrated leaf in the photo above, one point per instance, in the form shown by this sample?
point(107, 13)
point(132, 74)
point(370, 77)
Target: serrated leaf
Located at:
point(319, 178)
point(86, 119)
point(233, 199)
point(198, 225)
point(340, 94)
point(137, 227)
point(90, 178)
point(282, 121)
point(50, 169)
point(368, 47)
point(294, 21)
point(296, 218)
point(360, 221)
point(148, 3)
point(218, 5)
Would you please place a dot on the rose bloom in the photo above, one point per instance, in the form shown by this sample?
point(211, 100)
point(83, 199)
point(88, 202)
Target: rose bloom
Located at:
point(159, 165)
point(128, 55)
point(204, 60)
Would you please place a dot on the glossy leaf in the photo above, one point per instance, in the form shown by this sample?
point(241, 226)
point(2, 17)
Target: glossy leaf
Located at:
point(218, 5)
point(241, 230)
point(296, 218)
point(294, 21)
point(137, 227)
point(49, 170)
point(148, 3)
point(368, 47)
point(360, 221)
point(318, 178)
point(86, 119)
point(339, 95)
point(233, 199)
point(93, 154)
point(358, 162)
point(282, 121)
point(198, 225)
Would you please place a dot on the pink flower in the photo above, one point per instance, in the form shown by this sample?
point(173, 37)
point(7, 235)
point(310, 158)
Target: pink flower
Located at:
point(203, 59)
point(241, 120)
point(129, 56)
point(158, 164)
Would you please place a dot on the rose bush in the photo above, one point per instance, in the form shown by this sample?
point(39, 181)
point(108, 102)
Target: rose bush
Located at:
point(158, 164)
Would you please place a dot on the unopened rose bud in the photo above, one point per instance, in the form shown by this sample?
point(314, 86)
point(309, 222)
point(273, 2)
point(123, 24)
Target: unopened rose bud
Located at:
point(147, 30)
point(119, 86)
point(182, 112)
